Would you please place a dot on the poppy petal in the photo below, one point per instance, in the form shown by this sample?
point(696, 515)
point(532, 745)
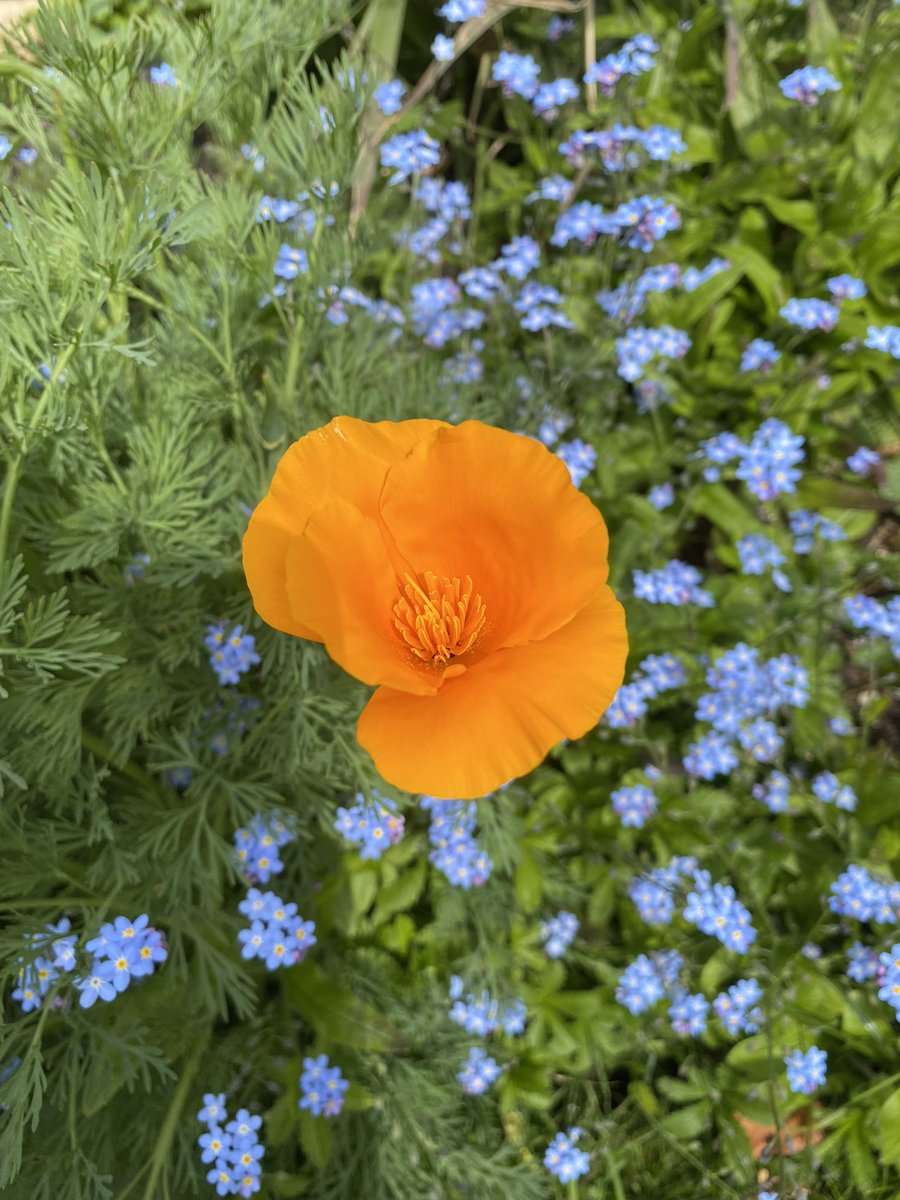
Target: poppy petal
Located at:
point(472, 500)
point(347, 458)
point(340, 581)
point(498, 719)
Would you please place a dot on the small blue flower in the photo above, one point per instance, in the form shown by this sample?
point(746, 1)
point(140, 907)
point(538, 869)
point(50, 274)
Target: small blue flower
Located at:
point(558, 933)
point(564, 1160)
point(863, 460)
point(455, 12)
point(810, 314)
point(213, 1144)
point(688, 1014)
point(634, 805)
point(478, 1072)
point(389, 96)
point(736, 1008)
point(806, 1072)
point(579, 457)
point(550, 97)
point(863, 962)
point(760, 355)
point(232, 655)
point(443, 48)
point(676, 583)
point(517, 73)
point(252, 155)
point(808, 84)
point(374, 824)
point(885, 338)
point(846, 287)
point(163, 76)
point(715, 909)
point(455, 852)
point(409, 153)
point(97, 985)
point(291, 262)
point(640, 986)
point(662, 496)
point(322, 1087)
point(829, 788)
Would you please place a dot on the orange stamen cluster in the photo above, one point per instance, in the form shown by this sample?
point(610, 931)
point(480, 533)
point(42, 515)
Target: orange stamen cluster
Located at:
point(440, 620)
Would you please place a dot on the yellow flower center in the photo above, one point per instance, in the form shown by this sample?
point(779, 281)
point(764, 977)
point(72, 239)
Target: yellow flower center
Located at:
point(439, 621)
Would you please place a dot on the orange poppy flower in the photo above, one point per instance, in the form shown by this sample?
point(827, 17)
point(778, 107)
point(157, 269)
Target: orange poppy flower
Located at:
point(455, 568)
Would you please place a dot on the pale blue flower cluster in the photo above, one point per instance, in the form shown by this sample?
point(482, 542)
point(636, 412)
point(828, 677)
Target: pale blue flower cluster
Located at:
point(257, 847)
point(641, 345)
point(123, 950)
point(372, 823)
point(688, 1013)
point(737, 1008)
point(675, 583)
point(806, 525)
point(759, 355)
point(757, 554)
point(323, 1088)
point(810, 314)
point(862, 962)
point(634, 805)
point(863, 460)
point(230, 655)
point(563, 1159)
point(715, 909)
point(558, 933)
point(659, 143)
point(857, 893)
point(806, 1071)
point(767, 464)
point(478, 1072)
point(882, 620)
point(277, 934)
point(774, 792)
point(653, 893)
point(483, 1016)
point(808, 84)
point(233, 1147)
point(407, 154)
point(885, 338)
point(455, 852)
point(389, 96)
point(634, 58)
point(657, 673)
point(829, 788)
point(646, 981)
point(579, 457)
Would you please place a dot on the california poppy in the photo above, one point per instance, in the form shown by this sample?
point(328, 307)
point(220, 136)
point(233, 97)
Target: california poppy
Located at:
point(455, 568)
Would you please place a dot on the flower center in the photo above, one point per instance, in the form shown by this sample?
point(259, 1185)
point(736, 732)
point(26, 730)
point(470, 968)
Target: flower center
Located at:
point(440, 620)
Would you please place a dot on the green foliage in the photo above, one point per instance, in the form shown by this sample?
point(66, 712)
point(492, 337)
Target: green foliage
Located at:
point(132, 268)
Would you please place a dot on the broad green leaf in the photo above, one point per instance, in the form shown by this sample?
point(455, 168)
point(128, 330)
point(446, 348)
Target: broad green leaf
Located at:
point(315, 1139)
point(760, 271)
point(721, 506)
point(889, 1129)
point(402, 893)
point(528, 882)
point(689, 1122)
point(799, 214)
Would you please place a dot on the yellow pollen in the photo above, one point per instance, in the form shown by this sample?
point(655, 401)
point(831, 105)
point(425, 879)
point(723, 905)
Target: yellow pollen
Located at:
point(439, 621)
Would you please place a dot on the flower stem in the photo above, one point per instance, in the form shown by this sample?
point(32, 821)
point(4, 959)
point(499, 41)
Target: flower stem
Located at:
point(169, 1125)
